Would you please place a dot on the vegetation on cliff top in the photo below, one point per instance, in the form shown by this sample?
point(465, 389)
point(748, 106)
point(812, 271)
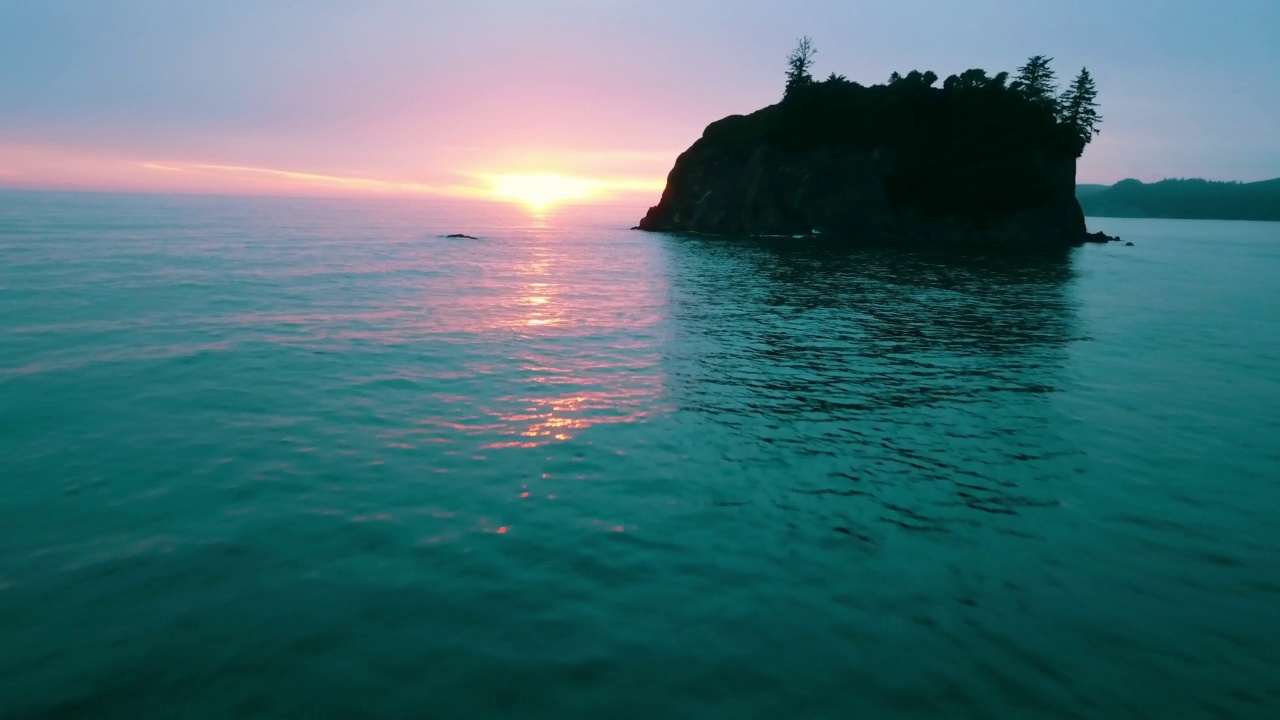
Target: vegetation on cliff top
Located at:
point(1030, 99)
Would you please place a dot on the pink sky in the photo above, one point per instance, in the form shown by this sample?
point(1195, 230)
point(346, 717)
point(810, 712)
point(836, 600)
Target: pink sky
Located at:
point(434, 97)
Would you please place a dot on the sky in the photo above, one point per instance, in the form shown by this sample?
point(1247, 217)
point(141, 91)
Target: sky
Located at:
point(517, 97)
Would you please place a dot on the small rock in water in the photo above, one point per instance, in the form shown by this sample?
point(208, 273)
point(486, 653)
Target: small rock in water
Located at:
point(1100, 237)
point(1128, 244)
point(463, 237)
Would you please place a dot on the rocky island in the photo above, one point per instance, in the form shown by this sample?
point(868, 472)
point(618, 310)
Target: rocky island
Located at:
point(980, 159)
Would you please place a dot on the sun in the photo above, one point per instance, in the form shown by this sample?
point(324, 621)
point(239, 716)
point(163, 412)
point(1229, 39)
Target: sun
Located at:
point(540, 191)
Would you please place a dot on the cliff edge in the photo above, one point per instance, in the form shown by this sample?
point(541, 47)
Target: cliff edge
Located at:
point(977, 160)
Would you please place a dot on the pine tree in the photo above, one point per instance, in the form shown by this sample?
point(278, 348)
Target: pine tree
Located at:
point(1078, 107)
point(895, 77)
point(799, 65)
point(1036, 80)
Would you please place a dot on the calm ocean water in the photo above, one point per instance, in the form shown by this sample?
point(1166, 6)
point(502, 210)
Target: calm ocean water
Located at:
point(308, 458)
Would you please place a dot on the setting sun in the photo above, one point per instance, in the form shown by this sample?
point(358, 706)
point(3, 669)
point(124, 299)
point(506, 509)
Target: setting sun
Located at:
point(540, 191)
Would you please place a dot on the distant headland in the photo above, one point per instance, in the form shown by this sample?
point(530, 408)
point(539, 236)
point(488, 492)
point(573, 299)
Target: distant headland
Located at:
point(1186, 199)
point(982, 158)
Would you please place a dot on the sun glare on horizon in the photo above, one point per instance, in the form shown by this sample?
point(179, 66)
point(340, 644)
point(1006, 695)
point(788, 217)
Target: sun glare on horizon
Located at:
point(540, 191)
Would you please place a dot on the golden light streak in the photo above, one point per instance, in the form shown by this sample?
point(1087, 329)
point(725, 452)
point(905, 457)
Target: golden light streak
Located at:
point(538, 191)
point(353, 183)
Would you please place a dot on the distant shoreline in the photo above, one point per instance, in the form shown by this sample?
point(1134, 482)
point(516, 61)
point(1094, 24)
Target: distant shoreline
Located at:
point(1183, 200)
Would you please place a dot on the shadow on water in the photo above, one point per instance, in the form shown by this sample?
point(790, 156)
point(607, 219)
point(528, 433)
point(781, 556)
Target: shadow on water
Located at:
point(917, 379)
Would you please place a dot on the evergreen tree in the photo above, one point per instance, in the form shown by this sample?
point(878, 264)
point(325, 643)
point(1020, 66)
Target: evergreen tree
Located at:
point(1078, 107)
point(799, 65)
point(1036, 80)
point(895, 77)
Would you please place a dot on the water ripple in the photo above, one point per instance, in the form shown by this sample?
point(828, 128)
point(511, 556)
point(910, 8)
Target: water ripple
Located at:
point(268, 456)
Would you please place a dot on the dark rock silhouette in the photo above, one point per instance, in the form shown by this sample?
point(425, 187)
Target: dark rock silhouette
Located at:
point(1099, 237)
point(978, 160)
point(461, 236)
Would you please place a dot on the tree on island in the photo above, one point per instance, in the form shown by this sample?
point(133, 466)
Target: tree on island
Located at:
point(915, 78)
point(975, 79)
point(800, 65)
point(1078, 108)
point(1024, 108)
point(1036, 80)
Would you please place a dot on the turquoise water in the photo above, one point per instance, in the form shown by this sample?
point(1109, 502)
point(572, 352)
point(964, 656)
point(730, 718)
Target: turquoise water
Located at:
point(309, 458)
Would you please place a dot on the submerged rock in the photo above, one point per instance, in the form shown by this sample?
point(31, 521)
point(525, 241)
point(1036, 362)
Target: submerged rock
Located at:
point(901, 162)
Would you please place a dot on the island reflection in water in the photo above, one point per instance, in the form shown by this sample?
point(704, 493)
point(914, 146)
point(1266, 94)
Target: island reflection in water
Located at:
point(918, 381)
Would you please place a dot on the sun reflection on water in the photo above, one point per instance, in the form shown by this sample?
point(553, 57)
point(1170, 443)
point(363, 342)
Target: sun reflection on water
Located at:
point(541, 301)
point(548, 419)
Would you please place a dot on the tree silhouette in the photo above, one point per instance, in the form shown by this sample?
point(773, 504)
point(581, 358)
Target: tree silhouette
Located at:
point(915, 78)
point(799, 65)
point(895, 77)
point(974, 79)
point(1036, 80)
point(1078, 107)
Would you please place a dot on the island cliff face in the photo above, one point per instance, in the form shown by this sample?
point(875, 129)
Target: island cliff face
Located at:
point(973, 161)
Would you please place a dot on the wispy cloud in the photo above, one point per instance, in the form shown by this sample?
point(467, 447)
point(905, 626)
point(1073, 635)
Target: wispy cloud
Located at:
point(158, 166)
point(482, 184)
point(333, 181)
point(300, 180)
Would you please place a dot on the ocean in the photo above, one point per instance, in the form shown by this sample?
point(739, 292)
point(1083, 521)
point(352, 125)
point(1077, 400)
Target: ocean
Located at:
point(311, 458)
